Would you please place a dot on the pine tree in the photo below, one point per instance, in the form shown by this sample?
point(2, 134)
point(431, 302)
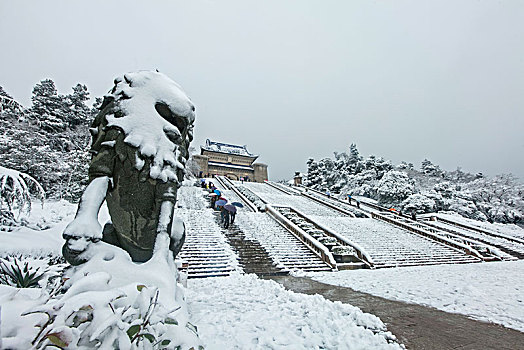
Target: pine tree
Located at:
point(429, 168)
point(51, 144)
point(78, 112)
point(355, 164)
point(48, 109)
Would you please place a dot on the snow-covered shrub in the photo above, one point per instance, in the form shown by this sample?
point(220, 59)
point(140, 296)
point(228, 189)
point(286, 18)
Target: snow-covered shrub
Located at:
point(466, 208)
point(394, 187)
point(418, 203)
point(29, 272)
point(128, 318)
point(112, 303)
point(15, 195)
point(343, 250)
point(17, 274)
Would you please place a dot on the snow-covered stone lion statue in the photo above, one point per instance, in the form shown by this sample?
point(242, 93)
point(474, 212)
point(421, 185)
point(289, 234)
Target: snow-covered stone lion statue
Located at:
point(139, 150)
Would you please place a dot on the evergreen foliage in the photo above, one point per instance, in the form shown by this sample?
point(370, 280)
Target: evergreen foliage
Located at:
point(49, 140)
point(497, 199)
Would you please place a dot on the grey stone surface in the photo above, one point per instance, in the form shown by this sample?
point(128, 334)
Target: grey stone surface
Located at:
point(416, 326)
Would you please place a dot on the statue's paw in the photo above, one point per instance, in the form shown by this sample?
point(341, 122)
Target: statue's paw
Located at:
point(73, 249)
point(90, 230)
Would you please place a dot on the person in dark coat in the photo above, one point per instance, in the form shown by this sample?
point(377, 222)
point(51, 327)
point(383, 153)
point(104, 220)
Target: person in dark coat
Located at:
point(224, 215)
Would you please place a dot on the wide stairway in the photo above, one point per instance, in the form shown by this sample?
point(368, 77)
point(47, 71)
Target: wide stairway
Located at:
point(252, 257)
point(287, 253)
point(255, 243)
point(285, 249)
point(512, 246)
point(387, 245)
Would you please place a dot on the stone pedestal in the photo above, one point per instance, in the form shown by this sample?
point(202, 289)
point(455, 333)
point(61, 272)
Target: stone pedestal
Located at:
point(260, 172)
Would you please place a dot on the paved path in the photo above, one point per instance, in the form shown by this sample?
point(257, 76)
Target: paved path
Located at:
point(417, 327)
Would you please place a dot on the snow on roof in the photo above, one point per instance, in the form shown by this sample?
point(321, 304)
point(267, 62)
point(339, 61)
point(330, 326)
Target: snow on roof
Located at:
point(227, 148)
point(137, 93)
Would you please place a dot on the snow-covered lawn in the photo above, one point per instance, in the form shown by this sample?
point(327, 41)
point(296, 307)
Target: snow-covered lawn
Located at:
point(244, 312)
point(492, 292)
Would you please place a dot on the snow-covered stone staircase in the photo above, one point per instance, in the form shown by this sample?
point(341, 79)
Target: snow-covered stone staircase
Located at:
point(252, 257)
point(486, 251)
point(286, 252)
point(205, 250)
point(513, 248)
point(389, 246)
point(285, 249)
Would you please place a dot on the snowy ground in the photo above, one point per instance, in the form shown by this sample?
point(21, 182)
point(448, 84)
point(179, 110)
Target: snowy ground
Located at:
point(244, 312)
point(240, 312)
point(237, 312)
point(492, 292)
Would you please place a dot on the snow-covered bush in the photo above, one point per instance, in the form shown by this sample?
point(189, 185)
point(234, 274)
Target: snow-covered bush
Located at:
point(29, 272)
point(418, 203)
point(15, 195)
point(344, 250)
point(112, 303)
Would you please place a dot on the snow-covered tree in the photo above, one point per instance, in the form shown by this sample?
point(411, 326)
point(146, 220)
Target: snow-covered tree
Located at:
point(429, 168)
point(418, 203)
point(379, 165)
point(355, 160)
point(313, 174)
point(50, 140)
point(500, 198)
point(48, 109)
point(78, 112)
point(394, 187)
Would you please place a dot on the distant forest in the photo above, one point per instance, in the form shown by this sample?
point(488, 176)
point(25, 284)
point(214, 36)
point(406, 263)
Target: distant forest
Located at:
point(423, 190)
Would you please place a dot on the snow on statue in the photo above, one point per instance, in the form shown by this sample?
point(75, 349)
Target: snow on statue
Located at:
point(140, 146)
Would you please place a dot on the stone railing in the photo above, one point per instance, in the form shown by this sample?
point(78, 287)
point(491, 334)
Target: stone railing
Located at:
point(315, 246)
point(226, 183)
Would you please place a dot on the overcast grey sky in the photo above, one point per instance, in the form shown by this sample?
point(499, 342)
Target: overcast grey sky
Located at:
point(406, 80)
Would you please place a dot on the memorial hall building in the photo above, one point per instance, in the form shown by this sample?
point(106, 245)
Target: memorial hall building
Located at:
point(233, 161)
